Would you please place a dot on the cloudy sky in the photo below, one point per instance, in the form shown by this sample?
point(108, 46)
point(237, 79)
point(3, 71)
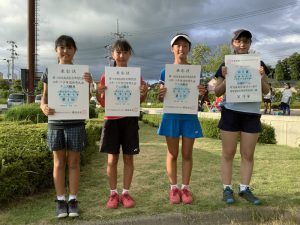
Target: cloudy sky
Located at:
point(149, 26)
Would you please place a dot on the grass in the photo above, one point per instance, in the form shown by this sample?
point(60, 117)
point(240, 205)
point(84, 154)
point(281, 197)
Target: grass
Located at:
point(275, 180)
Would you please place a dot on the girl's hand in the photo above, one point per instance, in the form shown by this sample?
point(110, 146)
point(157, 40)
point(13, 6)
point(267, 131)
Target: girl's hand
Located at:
point(224, 71)
point(101, 89)
point(46, 110)
point(201, 89)
point(143, 90)
point(88, 77)
point(162, 92)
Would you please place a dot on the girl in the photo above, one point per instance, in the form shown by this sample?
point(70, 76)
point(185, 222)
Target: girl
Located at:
point(120, 131)
point(286, 99)
point(239, 121)
point(66, 138)
point(187, 126)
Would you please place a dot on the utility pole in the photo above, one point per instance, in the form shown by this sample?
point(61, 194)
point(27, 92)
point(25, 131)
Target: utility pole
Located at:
point(8, 67)
point(117, 35)
point(31, 48)
point(13, 56)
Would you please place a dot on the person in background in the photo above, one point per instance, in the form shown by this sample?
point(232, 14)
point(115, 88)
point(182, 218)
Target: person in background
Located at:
point(66, 138)
point(239, 122)
point(268, 101)
point(286, 99)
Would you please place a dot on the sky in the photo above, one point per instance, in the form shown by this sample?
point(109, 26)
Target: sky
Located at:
point(149, 27)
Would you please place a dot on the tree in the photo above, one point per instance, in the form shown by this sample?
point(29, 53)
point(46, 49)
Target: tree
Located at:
point(279, 71)
point(16, 85)
point(208, 59)
point(294, 64)
point(4, 84)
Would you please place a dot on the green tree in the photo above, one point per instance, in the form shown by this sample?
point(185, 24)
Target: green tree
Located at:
point(4, 84)
point(40, 86)
point(16, 85)
point(208, 59)
point(294, 65)
point(279, 71)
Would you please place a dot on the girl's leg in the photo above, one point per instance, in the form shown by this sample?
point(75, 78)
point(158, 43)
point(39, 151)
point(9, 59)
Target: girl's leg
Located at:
point(128, 170)
point(187, 159)
point(171, 163)
point(288, 109)
point(229, 143)
point(59, 161)
point(74, 171)
point(247, 148)
point(112, 163)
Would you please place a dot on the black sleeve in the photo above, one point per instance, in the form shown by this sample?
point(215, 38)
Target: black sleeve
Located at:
point(219, 71)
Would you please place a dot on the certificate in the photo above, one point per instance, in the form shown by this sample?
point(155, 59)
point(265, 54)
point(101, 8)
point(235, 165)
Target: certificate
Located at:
point(122, 96)
point(68, 92)
point(182, 93)
point(243, 80)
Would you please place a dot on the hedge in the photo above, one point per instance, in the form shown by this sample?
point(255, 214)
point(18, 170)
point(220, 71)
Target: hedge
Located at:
point(210, 128)
point(25, 161)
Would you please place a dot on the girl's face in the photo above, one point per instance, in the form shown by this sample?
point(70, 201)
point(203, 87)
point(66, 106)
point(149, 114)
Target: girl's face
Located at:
point(65, 54)
point(121, 57)
point(181, 49)
point(241, 45)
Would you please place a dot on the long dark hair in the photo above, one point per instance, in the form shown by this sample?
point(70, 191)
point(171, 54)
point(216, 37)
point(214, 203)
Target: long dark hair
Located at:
point(66, 40)
point(122, 45)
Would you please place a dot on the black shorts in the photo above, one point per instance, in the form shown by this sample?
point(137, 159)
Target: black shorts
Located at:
point(267, 100)
point(120, 132)
point(239, 121)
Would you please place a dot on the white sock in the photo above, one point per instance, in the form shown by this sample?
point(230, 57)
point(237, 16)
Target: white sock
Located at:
point(173, 186)
point(227, 185)
point(61, 197)
point(71, 197)
point(243, 187)
point(184, 186)
point(125, 191)
point(114, 191)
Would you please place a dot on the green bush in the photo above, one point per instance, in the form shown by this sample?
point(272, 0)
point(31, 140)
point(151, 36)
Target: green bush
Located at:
point(210, 128)
point(25, 161)
point(267, 135)
point(30, 112)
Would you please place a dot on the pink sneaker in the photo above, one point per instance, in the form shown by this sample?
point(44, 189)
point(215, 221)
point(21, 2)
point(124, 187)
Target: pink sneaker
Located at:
point(186, 196)
point(174, 196)
point(127, 200)
point(113, 201)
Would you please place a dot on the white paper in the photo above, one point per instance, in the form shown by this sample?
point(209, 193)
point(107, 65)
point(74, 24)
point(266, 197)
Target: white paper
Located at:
point(182, 93)
point(68, 92)
point(122, 96)
point(243, 80)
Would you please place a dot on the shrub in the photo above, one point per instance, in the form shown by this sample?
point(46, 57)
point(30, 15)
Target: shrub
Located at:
point(26, 162)
point(30, 112)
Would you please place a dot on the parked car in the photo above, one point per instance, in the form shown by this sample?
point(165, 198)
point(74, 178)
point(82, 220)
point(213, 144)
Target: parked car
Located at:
point(38, 99)
point(15, 99)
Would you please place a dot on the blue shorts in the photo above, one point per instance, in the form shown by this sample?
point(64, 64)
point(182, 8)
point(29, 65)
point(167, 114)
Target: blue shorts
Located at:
point(239, 121)
point(69, 139)
point(177, 126)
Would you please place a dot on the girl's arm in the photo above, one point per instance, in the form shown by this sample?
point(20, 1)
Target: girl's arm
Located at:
point(161, 92)
point(100, 94)
point(265, 87)
point(220, 87)
point(44, 102)
point(143, 92)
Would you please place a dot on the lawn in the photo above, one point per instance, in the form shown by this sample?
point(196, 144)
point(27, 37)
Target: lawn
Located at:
point(275, 180)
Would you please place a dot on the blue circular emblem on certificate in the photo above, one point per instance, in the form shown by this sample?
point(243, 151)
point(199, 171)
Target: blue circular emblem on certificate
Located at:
point(122, 94)
point(181, 91)
point(243, 75)
point(68, 94)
